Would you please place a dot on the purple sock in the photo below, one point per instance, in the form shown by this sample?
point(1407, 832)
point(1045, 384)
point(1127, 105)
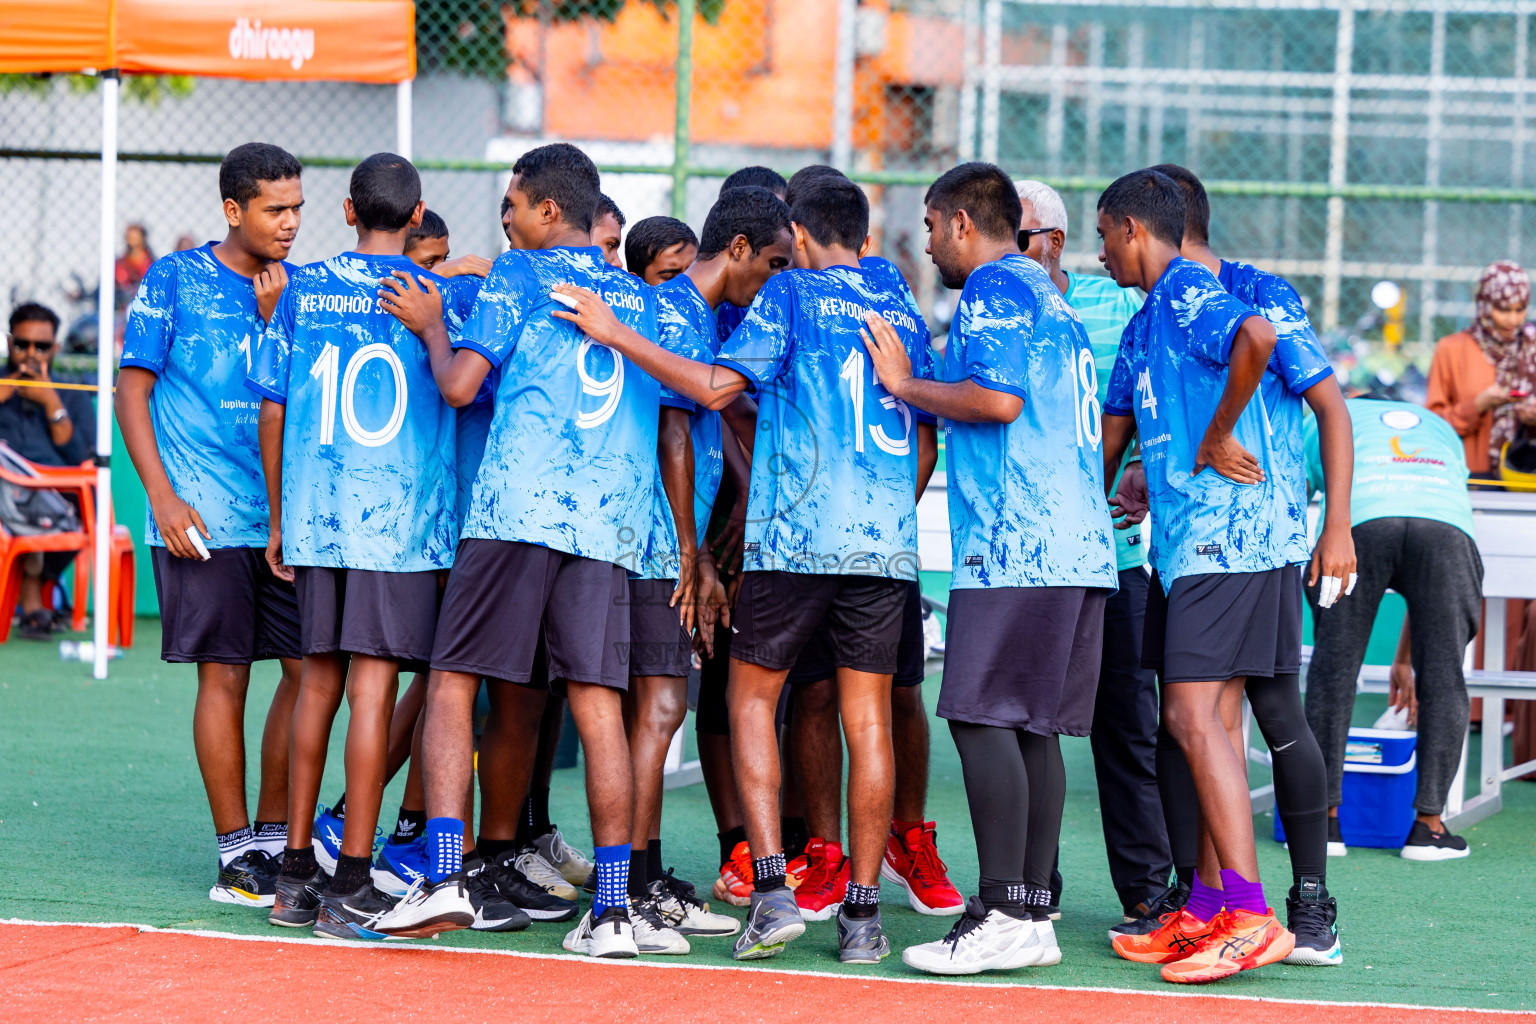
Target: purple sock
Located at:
point(1204, 902)
point(1242, 894)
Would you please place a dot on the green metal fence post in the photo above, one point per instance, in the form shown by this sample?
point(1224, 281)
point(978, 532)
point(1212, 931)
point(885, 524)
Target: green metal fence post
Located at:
point(681, 141)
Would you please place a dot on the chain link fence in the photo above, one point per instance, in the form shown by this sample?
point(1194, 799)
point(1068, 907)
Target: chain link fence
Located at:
point(1344, 143)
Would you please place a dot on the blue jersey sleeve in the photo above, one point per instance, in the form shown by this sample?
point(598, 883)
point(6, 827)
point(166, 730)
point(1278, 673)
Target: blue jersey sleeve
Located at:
point(677, 333)
point(1117, 401)
point(459, 294)
point(500, 309)
point(269, 368)
point(1299, 359)
point(998, 322)
point(760, 348)
point(147, 335)
point(1208, 314)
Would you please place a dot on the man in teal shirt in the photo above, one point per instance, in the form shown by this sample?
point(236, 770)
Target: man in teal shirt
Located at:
point(1125, 718)
point(1412, 524)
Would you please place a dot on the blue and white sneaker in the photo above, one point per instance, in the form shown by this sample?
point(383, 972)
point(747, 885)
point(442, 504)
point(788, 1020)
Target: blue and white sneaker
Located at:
point(400, 865)
point(326, 839)
point(352, 916)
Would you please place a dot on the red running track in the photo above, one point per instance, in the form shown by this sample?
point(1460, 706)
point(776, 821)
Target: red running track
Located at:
point(76, 973)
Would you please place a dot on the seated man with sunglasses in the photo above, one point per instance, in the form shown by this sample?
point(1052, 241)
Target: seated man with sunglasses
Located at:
point(45, 425)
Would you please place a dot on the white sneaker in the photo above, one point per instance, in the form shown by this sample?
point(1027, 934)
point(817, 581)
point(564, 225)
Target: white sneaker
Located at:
point(982, 940)
point(1050, 953)
point(611, 936)
point(542, 874)
point(428, 909)
point(684, 912)
point(652, 933)
point(572, 865)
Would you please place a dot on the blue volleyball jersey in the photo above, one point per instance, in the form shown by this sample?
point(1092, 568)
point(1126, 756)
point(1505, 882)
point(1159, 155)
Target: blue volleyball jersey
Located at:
point(1026, 499)
point(1170, 374)
point(472, 423)
point(834, 467)
point(1298, 363)
point(570, 459)
point(368, 442)
point(194, 325)
point(685, 325)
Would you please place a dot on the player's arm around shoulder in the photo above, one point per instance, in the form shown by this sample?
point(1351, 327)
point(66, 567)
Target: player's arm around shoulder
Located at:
point(416, 300)
point(711, 386)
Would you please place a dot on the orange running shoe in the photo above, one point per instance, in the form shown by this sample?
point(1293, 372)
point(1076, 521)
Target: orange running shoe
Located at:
point(734, 886)
point(1240, 941)
point(1176, 938)
point(795, 871)
point(826, 883)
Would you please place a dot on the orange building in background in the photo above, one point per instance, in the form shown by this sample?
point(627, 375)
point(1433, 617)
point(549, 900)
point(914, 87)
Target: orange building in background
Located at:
point(763, 76)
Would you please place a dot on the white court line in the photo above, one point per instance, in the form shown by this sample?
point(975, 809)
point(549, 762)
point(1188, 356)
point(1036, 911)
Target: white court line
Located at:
point(408, 946)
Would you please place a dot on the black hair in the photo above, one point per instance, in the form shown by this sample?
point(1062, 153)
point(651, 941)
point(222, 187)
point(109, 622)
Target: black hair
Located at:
point(605, 206)
point(245, 167)
point(650, 238)
point(805, 174)
point(756, 175)
point(431, 226)
point(1197, 205)
point(1151, 197)
point(564, 174)
point(33, 312)
point(385, 189)
point(751, 211)
point(985, 193)
point(833, 211)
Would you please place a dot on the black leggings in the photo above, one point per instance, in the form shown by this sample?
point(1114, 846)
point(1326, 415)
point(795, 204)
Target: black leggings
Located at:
point(1016, 786)
point(1301, 781)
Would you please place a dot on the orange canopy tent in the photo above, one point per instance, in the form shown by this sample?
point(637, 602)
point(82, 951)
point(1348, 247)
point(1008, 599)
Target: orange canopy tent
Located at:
point(290, 40)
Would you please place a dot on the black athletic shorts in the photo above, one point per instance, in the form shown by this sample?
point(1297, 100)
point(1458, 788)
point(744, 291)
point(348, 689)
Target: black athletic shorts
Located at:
point(229, 610)
point(816, 661)
point(657, 644)
point(364, 611)
point(1023, 658)
point(778, 612)
point(502, 593)
point(1218, 626)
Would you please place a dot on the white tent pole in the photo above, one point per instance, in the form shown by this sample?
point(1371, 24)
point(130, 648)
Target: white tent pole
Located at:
point(403, 119)
point(105, 345)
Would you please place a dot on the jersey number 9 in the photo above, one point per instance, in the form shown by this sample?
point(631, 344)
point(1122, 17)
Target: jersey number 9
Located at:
point(609, 390)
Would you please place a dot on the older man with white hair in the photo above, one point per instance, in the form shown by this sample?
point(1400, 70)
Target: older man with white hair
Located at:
point(1124, 733)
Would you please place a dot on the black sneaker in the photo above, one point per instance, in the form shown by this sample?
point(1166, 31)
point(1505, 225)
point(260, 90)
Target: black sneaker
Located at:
point(1423, 844)
point(296, 902)
point(493, 911)
point(590, 885)
point(1313, 916)
point(1145, 918)
point(250, 880)
point(1336, 847)
point(352, 915)
point(533, 900)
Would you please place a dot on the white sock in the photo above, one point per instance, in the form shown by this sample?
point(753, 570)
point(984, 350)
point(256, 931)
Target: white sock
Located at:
point(233, 844)
point(271, 837)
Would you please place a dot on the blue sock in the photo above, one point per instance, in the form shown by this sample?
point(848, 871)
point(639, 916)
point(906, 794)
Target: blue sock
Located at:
point(612, 878)
point(445, 848)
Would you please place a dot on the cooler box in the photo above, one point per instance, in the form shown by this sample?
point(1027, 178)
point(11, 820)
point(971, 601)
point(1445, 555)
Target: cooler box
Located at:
point(1381, 776)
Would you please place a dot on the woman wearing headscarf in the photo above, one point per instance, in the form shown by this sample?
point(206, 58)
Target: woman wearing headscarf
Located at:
point(1482, 379)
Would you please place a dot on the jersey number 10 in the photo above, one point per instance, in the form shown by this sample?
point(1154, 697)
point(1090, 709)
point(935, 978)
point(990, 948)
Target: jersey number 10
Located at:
point(327, 367)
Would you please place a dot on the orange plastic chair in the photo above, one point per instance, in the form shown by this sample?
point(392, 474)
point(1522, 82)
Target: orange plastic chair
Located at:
point(79, 481)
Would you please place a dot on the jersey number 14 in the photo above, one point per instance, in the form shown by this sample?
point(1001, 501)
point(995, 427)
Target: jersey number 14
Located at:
point(327, 368)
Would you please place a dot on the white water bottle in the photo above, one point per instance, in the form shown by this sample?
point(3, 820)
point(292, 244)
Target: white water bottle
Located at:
point(83, 650)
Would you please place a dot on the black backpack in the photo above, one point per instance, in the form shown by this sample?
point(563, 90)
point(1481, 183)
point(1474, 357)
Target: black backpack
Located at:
point(30, 511)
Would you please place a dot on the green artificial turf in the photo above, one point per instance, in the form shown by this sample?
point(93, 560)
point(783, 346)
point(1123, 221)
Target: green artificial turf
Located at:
point(102, 818)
